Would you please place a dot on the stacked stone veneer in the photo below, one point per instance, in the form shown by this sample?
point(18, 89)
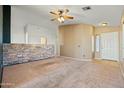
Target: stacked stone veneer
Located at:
point(21, 53)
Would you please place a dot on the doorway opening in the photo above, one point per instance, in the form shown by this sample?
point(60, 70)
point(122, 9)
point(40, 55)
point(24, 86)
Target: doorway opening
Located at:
point(109, 46)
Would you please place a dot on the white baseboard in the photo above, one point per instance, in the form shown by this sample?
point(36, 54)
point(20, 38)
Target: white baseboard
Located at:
point(78, 59)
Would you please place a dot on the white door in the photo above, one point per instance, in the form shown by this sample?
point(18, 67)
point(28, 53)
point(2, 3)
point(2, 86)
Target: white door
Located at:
point(110, 46)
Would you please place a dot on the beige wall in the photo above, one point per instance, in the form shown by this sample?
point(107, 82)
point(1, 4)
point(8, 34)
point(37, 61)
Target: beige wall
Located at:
point(99, 30)
point(76, 41)
point(23, 20)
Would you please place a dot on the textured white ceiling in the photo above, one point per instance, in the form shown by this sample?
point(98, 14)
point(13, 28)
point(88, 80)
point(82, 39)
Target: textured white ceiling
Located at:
point(97, 14)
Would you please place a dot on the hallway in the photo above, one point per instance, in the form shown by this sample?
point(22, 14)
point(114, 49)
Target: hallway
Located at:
point(64, 72)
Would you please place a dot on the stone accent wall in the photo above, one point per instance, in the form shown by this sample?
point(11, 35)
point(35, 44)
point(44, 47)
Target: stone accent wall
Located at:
point(21, 53)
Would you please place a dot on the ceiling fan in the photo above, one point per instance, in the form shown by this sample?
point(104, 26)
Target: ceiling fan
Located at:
point(61, 15)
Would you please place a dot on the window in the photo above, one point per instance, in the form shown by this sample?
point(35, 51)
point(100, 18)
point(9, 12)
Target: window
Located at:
point(97, 43)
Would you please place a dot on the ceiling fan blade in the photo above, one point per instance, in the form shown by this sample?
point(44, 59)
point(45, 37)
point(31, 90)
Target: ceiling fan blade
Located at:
point(53, 19)
point(68, 17)
point(53, 13)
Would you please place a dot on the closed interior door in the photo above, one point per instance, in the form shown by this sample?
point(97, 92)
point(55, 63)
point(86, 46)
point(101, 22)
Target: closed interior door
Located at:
point(110, 46)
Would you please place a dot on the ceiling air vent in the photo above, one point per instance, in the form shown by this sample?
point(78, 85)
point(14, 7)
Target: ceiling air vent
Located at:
point(86, 8)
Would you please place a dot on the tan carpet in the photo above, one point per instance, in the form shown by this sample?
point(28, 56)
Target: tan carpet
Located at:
point(63, 72)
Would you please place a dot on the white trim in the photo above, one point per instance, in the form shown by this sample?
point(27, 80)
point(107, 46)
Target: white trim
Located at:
point(78, 59)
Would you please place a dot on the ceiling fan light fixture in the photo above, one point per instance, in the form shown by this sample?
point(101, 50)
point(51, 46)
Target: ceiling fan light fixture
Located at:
point(61, 15)
point(61, 19)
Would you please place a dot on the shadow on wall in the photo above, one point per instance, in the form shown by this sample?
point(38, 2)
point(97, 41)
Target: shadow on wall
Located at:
point(1, 63)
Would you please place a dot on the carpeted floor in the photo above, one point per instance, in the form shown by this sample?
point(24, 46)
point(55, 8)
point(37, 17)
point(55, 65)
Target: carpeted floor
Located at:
point(64, 73)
